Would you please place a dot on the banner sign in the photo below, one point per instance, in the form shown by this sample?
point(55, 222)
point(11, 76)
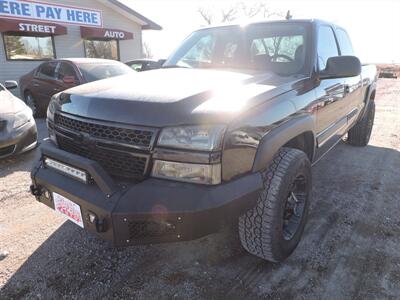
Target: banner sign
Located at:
point(31, 28)
point(105, 33)
point(29, 10)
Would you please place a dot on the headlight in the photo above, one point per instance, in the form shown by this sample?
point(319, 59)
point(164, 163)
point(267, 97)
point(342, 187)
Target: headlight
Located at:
point(22, 118)
point(195, 173)
point(192, 137)
point(51, 108)
point(50, 118)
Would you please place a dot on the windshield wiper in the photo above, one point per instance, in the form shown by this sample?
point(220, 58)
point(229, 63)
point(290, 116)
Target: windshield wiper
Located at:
point(173, 66)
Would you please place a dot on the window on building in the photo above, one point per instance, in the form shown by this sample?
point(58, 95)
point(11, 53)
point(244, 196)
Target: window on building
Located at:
point(108, 49)
point(327, 46)
point(19, 47)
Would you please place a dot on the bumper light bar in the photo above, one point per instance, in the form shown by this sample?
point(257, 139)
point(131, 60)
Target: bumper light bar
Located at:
point(66, 169)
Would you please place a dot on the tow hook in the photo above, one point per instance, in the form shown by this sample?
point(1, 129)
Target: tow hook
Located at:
point(101, 225)
point(36, 190)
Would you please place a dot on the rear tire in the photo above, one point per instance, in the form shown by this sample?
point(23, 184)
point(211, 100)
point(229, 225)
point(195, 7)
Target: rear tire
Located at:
point(32, 104)
point(360, 134)
point(273, 228)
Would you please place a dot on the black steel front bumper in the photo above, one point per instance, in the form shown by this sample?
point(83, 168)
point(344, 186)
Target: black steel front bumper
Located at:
point(151, 211)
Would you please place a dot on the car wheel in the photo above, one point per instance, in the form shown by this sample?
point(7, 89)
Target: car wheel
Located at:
point(360, 134)
point(273, 228)
point(31, 103)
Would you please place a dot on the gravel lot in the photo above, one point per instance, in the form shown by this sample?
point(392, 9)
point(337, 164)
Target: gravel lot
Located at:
point(350, 248)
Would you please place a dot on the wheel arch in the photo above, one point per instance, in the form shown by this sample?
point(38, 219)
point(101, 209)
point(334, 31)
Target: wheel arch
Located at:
point(369, 96)
point(298, 133)
point(26, 91)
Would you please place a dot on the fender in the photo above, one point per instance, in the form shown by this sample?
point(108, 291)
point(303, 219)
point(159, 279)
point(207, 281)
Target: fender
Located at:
point(371, 89)
point(279, 136)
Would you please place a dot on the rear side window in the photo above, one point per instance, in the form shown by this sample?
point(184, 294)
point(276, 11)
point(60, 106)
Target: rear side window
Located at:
point(327, 46)
point(47, 70)
point(66, 70)
point(346, 48)
point(93, 72)
point(136, 66)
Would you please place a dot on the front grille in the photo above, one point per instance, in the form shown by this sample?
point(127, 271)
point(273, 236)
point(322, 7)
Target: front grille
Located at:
point(5, 151)
point(120, 155)
point(116, 163)
point(150, 229)
point(137, 137)
point(3, 124)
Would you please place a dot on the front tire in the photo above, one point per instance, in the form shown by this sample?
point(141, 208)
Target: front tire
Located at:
point(32, 104)
point(360, 134)
point(273, 228)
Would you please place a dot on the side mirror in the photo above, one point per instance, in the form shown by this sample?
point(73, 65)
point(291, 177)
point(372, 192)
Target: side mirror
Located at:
point(10, 84)
point(341, 66)
point(69, 79)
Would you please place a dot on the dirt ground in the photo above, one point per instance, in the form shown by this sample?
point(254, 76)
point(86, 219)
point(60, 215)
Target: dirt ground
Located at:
point(350, 249)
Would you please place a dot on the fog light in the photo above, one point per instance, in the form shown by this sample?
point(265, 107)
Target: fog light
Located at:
point(187, 172)
point(47, 194)
point(92, 218)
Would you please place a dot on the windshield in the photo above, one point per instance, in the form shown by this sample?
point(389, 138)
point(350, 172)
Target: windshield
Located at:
point(279, 48)
point(95, 71)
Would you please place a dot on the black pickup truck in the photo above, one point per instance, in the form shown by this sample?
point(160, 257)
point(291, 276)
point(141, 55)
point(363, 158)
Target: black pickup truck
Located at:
point(224, 133)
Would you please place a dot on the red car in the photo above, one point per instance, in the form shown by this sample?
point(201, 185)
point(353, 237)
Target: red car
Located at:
point(38, 86)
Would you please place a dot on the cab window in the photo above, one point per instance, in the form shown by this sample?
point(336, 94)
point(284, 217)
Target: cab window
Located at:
point(346, 48)
point(327, 46)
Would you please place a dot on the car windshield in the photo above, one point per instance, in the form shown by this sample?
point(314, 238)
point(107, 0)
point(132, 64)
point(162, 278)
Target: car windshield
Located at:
point(275, 47)
point(97, 71)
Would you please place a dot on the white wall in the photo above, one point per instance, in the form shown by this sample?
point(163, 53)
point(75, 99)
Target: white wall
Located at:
point(71, 45)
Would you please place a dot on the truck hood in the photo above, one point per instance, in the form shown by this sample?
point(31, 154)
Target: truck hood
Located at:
point(170, 97)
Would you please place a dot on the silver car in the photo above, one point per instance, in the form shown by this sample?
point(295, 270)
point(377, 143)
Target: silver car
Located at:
point(18, 131)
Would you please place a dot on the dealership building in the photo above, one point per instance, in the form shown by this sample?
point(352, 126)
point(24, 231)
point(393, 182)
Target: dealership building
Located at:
point(35, 31)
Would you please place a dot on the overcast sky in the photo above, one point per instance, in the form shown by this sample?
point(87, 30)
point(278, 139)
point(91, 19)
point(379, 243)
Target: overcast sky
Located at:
point(373, 25)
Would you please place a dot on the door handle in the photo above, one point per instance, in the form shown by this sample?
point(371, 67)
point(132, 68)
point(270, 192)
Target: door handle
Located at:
point(36, 84)
point(56, 89)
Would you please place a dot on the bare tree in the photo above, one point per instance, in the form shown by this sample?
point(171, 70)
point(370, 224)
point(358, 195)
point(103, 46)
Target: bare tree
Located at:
point(206, 15)
point(240, 9)
point(250, 11)
point(147, 53)
point(229, 14)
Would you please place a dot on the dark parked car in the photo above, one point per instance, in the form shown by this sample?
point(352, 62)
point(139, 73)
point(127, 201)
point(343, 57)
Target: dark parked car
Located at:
point(225, 133)
point(18, 132)
point(145, 64)
point(55, 76)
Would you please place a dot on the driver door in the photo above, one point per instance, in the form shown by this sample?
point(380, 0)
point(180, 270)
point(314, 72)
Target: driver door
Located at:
point(331, 100)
